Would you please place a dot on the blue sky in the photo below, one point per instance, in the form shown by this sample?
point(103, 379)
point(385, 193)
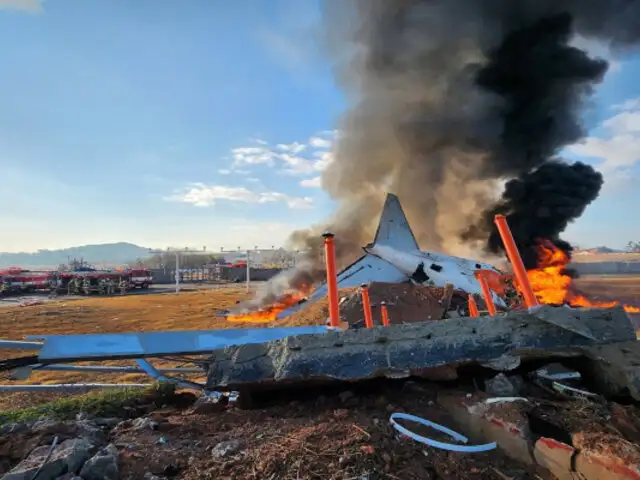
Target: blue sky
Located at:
point(189, 123)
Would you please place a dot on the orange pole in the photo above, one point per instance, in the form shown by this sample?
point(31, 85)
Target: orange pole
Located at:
point(486, 293)
point(473, 307)
point(384, 313)
point(366, 306)
point(332, 279)
point(516, 260)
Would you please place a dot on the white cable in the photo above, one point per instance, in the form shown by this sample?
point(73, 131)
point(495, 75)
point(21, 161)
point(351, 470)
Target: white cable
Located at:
point(434, 443)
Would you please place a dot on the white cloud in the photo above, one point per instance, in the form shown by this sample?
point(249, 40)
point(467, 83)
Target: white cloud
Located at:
point(319, 142)
point(29, 6)
point(630, 104)
point(201, 195)
point(620, 147)
point(253, 156)
point(618, 150)
point(294, 158)
point(626, 122)
point(224, 171)
point(314, 182)
point(294, 147)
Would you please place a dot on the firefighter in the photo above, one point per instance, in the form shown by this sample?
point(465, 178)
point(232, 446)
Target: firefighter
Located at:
point(102, 286)
point(123, 286)
point(110, 286)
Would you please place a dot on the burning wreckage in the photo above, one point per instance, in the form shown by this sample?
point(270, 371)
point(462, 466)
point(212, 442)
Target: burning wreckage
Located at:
point(434, 342)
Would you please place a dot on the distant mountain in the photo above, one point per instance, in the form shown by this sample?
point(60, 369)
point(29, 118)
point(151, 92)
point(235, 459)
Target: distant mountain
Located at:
point(104, 254)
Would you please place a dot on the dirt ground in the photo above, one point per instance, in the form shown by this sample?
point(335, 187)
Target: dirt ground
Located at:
point(184, 311)
point(332, 437)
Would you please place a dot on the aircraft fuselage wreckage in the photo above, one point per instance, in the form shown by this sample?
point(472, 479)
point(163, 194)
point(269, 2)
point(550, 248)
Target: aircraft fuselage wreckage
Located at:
point(394, 257)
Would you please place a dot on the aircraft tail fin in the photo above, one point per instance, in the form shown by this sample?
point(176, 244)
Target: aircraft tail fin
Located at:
point(393, 229)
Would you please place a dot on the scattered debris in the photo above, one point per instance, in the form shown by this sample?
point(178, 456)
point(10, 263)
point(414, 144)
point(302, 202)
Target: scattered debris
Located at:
point(102, 466)
point(225, 449)
point(406, 303)
point(501, 385)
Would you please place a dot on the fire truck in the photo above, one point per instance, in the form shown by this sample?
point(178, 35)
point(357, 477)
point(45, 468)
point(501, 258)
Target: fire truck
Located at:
point(19, 280)
point(140, 278)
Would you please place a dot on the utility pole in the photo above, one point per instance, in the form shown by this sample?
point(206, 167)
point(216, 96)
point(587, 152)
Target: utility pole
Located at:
point(177, 253)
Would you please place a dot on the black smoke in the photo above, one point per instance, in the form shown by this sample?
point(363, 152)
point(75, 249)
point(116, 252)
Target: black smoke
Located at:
point(544, 82)
point(540, 205)
point(450, 99)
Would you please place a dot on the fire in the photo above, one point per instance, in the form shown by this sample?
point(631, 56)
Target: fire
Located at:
point(552, 285)
point(269, 314)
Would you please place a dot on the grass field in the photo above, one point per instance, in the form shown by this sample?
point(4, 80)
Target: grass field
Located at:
point(184, 311)
point(606, 257)
point(622, 288)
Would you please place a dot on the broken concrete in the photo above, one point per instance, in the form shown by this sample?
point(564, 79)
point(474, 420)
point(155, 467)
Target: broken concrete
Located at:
point(416, 349)
point(614, 369)
point(555, 456)
point(504, 422)
point(66, 457)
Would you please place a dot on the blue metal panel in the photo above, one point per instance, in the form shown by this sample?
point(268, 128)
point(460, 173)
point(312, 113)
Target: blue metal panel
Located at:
point(153, 344)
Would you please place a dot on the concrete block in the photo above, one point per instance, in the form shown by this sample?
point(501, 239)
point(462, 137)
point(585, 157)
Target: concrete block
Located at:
point(416, 349)
point(593, 466)
point(555, 456)
point(505, 423)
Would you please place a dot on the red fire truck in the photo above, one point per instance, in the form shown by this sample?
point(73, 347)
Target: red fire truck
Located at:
point(19, 280)
point(140, 278)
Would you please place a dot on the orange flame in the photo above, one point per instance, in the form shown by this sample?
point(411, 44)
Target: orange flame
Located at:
point(269, 314)
point(553, 286)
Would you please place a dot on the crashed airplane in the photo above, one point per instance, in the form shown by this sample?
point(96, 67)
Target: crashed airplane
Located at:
point(395, 257)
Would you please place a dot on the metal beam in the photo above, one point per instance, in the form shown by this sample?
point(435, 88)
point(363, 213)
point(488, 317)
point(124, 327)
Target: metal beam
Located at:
point(108, 346)
point(19, 345)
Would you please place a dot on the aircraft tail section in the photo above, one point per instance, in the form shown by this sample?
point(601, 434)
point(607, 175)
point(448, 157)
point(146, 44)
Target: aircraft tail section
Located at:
point(393, 229)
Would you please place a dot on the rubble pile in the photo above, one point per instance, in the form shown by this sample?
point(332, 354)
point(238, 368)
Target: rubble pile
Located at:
point(406, 303)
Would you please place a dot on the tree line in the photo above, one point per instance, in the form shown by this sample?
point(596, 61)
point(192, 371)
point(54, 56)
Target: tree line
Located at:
point(633, 247)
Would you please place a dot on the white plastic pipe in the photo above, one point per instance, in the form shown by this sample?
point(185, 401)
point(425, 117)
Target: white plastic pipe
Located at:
point(434, 443)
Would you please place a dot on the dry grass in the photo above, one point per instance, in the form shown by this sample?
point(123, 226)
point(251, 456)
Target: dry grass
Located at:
point(184, 311)
point(622, 288)
point(169, 311)
point(606, 257)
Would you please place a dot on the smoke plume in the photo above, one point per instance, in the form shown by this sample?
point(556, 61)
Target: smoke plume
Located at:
point(450, 99)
